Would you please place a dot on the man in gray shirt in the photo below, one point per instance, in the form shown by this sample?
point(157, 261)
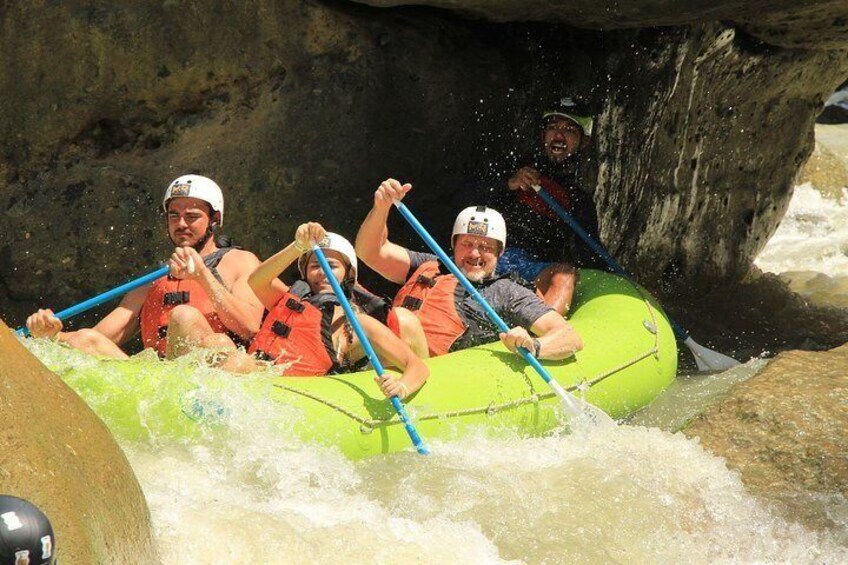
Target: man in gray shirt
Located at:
point(434, 313)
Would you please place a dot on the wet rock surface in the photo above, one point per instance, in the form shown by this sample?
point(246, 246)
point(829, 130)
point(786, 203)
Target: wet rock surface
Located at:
point(758, 316)
point(786, 431)
point(56, 453)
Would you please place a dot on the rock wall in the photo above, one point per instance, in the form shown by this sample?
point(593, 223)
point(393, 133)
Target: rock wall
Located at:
point(700, 138)
point(702, 126)
point(299, 109)
point(819, 24)
point(56, 453)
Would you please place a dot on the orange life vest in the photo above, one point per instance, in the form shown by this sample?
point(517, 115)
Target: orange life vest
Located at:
point(431, 296)
point(167, 293)
point(296, 332)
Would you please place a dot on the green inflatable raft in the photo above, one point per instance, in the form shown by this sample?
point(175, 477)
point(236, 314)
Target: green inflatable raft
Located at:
point(629, 357)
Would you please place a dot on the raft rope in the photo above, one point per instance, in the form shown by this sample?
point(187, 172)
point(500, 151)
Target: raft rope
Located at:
point(368, 425)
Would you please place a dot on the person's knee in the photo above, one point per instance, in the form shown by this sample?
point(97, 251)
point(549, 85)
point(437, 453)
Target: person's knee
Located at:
point(408, 323)
point(239, 362)
point(184, 316)
point(85, 339)
point(217, 341)
point(557, 275)
point(411, 332)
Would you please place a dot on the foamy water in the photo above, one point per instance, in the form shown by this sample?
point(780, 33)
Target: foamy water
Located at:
point(243, 491)
point(813, 236)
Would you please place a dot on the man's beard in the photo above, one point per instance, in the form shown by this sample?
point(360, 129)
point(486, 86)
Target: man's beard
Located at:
point(477, 276)
point(561, 166)
point(200, 242)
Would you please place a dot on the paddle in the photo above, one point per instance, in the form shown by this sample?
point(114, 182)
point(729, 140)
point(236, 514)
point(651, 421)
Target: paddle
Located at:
point(369, 351)
point(705, 358)
point(573, 406)
point(104, 297)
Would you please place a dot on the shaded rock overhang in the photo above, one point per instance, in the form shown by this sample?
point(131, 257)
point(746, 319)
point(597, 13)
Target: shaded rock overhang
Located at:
point(782, 23)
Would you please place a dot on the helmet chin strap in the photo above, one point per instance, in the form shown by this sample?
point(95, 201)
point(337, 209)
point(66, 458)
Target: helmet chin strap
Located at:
point(202, 241)
point(348, 283)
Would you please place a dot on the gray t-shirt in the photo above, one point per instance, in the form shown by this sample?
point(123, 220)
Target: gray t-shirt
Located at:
point(516, 304)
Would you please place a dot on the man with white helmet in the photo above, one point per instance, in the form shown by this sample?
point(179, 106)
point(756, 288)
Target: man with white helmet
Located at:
point(434, 312)
point(205, 296)
point(306, 331)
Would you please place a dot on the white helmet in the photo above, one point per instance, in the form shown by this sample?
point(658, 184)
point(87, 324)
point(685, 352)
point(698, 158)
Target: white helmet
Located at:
point(480, 220)
point(196, 186)
point(333, 242)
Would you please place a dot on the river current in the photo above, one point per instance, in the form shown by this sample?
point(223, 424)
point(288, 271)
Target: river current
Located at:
point(639, 493)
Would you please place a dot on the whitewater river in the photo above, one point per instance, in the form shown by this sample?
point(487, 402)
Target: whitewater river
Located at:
point(636, 494)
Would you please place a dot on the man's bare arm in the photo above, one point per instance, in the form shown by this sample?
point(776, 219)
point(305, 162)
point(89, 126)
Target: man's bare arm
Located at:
point(372, 242)
point(558, 339)
point(238, 307)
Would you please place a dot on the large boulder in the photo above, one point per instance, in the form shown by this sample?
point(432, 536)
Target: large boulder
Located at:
point(56, 453)
point(785, 430)
point(826, 171)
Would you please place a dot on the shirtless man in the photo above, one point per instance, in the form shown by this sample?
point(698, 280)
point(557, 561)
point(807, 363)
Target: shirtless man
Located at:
point(205, 295)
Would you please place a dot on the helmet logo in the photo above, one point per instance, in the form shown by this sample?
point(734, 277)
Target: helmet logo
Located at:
point(180, 190)
point(12, 521)
point(478, 228)
point(324, 242)
point(46, 547)
point(22, 557)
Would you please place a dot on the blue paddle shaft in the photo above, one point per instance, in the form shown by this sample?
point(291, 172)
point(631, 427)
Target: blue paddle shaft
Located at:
point(105, 297)
point(682, 334)
point(348, 310)
point(369, 350)
point(463, 280)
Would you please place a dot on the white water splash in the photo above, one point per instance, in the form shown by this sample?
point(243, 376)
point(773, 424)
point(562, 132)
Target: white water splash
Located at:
point(623, 495)
point(250, 493)
point(813, 236)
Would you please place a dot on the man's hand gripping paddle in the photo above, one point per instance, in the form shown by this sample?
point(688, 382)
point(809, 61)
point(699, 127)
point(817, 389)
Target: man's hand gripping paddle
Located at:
point(104, 297)
point(575, 408)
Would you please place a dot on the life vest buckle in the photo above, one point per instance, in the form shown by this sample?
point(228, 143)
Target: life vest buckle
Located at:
point(412, 303)
point(426, 281)
point(262, 356)
point(295, 305)
point(281, 329)
point(162, 332)
point(176, 297)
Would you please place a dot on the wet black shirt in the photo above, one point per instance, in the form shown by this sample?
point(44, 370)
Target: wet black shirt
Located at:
point(549, 238)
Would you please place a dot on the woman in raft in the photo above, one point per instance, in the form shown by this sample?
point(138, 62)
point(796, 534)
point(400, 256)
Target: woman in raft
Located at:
point(306, 331)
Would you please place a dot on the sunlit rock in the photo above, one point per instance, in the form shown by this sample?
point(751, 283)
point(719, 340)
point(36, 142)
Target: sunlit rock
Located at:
point(786, 430)
point(826, 172)
point(55, 452)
